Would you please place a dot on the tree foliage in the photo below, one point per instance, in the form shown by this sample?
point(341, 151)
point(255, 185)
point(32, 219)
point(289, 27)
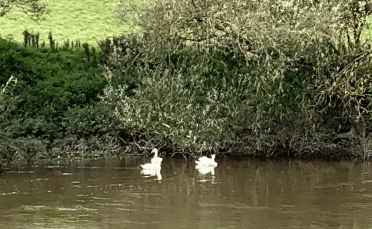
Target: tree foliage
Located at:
point(258, 75)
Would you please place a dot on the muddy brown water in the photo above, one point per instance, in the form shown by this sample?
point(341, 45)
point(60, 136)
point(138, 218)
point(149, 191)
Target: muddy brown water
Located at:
point(236, 194)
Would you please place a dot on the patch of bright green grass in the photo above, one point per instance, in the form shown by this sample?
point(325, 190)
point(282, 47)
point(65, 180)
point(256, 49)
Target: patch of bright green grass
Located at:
point(84, 20)
point(367, 30)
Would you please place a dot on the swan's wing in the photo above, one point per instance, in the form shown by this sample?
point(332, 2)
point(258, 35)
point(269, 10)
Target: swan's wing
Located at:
point(203, 160)
point(157, 160)
point(150, 166)
point(145, 166)
point(206, 163)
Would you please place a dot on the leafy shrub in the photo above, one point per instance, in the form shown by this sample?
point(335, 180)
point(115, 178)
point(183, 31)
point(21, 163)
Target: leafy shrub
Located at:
point(261, 74)
point(49, 83)
point(87, 121)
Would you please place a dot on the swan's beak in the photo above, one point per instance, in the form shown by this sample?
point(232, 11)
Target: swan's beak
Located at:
point(154, 151)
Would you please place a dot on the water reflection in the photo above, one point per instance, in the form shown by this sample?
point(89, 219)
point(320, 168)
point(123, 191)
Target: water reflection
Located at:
point(152, 172)
point(236, 194)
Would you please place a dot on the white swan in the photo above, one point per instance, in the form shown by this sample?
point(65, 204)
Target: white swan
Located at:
point(155, 162)
point(206, 161)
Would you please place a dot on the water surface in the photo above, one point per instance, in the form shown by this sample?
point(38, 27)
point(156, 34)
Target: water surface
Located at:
point(236, 194)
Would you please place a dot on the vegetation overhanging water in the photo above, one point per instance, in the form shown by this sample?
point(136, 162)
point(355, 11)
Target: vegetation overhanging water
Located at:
point(259, 78)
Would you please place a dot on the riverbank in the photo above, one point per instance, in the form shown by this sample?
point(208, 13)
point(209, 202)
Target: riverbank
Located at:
point(292, 90)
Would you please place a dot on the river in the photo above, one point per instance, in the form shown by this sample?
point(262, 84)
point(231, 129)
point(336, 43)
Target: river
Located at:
point(238, 193)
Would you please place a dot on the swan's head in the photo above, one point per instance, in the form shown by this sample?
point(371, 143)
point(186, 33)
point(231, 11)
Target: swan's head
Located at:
point(155, 151)
point(213, 156)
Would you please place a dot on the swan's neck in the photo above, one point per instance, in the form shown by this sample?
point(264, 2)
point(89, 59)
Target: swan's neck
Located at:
point(155, 153)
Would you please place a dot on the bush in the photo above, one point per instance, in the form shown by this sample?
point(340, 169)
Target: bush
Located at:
point(262, 75)
point(87, 121)
point(50, 81)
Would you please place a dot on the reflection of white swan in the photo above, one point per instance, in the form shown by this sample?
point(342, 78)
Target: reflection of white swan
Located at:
point(204, 170)
point(152, 172)
point(206, 161)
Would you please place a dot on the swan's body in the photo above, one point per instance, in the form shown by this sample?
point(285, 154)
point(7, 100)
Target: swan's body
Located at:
point(206, 161)
point(151, 166)
point(204, 170)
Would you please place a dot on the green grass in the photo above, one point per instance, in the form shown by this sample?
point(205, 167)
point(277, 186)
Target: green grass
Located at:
point(367, 30)
point(84, 20)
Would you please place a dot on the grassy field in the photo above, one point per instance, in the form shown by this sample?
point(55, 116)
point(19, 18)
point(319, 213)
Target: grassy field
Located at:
point(84, 20)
